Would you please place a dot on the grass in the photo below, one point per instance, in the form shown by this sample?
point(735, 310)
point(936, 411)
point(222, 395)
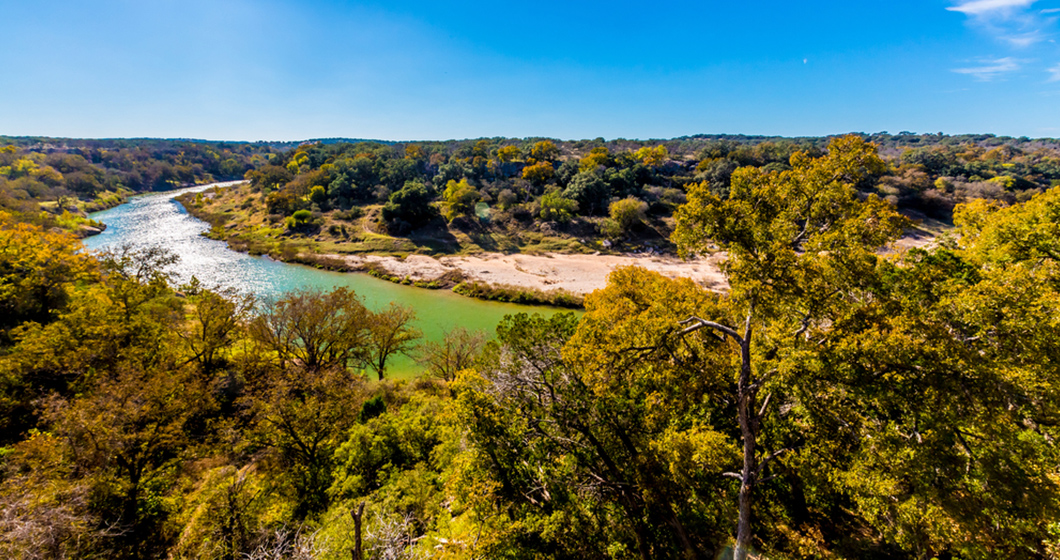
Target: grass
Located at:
point(513, 294)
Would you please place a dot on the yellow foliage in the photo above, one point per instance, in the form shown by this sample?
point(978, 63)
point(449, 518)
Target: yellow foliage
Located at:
point(508, 154)
point(596, 157)
point(652, 157)
point(544, 150)
point(539, 173)
point(414, 151)
point(37, 267)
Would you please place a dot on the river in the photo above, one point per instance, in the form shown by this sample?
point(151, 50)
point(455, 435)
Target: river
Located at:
point(158, 220)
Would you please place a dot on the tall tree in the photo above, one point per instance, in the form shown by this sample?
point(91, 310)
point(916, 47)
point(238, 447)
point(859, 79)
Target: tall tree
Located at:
point(390, 332)
point(800, 243)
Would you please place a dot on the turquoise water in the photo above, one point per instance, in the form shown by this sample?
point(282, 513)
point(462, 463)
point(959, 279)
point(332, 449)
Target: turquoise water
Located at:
point(158, 220)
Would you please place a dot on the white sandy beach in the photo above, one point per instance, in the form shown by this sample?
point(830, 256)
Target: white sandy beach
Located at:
point(578, 274)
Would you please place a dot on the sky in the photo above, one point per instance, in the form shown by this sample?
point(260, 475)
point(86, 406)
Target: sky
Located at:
point(438, 70)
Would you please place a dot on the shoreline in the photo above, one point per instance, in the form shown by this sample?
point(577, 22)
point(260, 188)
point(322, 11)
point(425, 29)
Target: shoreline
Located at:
point(123, 197)
point(551, 278)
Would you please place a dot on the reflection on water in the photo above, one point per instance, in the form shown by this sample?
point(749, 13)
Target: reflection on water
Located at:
point(158, 220)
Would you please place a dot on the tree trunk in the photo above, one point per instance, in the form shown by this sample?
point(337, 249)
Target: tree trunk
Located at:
point(748, 430)
point(357, 515)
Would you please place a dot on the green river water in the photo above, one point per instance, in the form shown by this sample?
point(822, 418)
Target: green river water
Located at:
point(157, 219)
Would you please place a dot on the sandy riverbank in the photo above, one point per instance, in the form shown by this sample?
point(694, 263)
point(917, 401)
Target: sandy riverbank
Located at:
point(577, 274)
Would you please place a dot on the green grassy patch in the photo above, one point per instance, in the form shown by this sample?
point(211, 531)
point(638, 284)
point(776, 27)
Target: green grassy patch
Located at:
point(524, 296)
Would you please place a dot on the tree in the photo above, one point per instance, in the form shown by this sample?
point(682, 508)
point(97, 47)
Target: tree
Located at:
point(800, 243)
point(555, 207)
point(459, 199)
point(628, 213)
point(415, 152)
point(390, 332)
point(597, 157)
point(590, 190)
point(314, 330)
point(589, 432)
point(127, 434)
point(37, 269)
point(269, 178)
point(539, 173)
point(652, 157)
point(506, 199)
point(456, 351)
point(217, 321)
point(409, 208)
point(299, 219)
point(318, 195)
point(544, 150)
point(281, 202)
point(303, 416)
point(508, 154)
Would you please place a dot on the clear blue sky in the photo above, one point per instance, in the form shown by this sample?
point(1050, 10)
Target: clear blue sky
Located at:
point(286, 70)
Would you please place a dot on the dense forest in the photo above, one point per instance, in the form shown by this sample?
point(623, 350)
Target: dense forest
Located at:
point(839, 401)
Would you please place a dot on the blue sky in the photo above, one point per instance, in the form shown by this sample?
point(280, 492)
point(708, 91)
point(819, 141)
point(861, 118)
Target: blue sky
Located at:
point(285, 70)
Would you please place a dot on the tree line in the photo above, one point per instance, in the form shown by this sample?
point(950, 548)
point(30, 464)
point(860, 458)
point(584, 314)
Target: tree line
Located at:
point(837, 401)
point(615, 188)
point(54, 181)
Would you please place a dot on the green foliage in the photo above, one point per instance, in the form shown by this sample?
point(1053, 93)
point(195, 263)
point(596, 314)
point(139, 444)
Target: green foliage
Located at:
point(318, 196)
point(459, 199)
point(627, 214)
point(897, 405)
point(597, 426)
point(371, 408)
point(555, 207)
point(506, 199)
point(522, 296)
point(409, 208)
point(590, 190)
point(787, 232)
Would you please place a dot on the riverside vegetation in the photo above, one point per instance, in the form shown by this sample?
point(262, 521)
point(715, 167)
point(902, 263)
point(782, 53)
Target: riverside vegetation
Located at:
point(837, 402)
point(55, 182)
point(316, 202)
point(321, 201)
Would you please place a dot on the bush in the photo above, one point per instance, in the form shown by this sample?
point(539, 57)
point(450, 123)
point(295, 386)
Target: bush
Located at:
point(409, 208)
point(554, 207)
point(628, 213)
